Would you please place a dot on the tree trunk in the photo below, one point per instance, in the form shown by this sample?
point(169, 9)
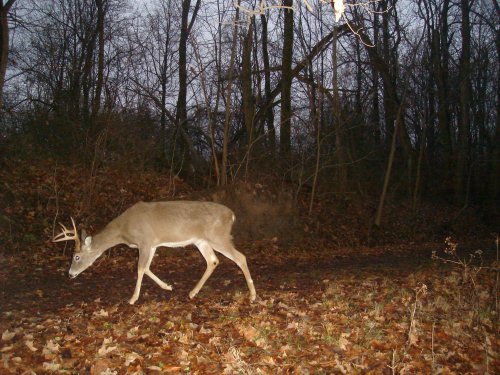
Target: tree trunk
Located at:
point(88, 50)
point(441, 72)
point(4, 43)
point(101, 14)
point(269, 115)
point(246, 87)
point(375, 78)
point(388, 97)
point(337, 119)
point(228, 111)
point(465, 105)
point(286, 88)
point(181, 111)
point(181, 106)
point(164, 93)
point(494, 183)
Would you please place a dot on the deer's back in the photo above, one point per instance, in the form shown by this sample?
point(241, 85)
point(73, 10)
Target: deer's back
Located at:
point(175, 221)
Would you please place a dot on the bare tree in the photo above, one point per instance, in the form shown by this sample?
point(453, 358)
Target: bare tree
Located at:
point(269, 115)
point(229, 107)
point(248, 100)
point(286, 83)
point(181, 107)
point(102, 7)
point(4, 42)
point(465, 104)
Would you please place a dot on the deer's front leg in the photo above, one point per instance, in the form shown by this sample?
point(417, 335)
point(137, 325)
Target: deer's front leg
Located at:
point(157, 280)
point(145, 258)
point(137, 291)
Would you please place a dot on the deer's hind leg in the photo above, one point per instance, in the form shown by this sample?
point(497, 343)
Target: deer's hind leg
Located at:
point(212, 262)
point(227, 248)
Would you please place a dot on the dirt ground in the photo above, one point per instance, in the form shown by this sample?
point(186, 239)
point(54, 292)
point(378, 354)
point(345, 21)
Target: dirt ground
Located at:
point(353, 311)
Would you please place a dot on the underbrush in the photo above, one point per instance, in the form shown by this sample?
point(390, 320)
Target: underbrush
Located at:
point(36, 196)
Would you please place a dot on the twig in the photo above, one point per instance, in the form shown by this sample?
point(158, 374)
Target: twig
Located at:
point(393, 362)
point(422, 291)
point(432, 346)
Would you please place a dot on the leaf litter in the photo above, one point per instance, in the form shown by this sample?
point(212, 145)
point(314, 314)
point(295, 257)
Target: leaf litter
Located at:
point(321, 309)
point(351, 320)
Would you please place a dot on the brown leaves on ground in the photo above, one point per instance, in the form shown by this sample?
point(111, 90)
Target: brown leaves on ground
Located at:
point(311, 316)
point(323, 306)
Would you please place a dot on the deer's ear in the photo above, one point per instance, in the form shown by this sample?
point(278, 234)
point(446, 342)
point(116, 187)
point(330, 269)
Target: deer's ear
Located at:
point(88, 240)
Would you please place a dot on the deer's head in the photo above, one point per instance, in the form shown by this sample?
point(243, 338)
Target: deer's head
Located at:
point(84, 255)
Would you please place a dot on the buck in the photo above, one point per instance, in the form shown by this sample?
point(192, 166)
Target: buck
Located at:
point(147, 226)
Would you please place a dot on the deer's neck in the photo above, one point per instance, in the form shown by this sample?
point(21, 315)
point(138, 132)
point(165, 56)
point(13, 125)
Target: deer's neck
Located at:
point(107, 238)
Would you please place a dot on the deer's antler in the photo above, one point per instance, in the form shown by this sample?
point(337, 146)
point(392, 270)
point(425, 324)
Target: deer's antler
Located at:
point(68, 235)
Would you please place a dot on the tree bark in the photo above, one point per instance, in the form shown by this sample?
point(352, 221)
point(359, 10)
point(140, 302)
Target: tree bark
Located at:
point(441, 72)
point(181, 106)
point(465, 104)
point(286, 87)
point(163, 90)
point(246, 87)
point(269, 115)
point(228, 111)
point(101, 14)
point(388, 82)
point(4, 43)
point(375, 114)
point(337, 119)
point(181, 111)
point(494, 183)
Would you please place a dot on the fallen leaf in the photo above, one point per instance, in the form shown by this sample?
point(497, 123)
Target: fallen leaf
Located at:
point(105, 349)
point(132, 332)
point(248, 332)
point(204, 330)
point(343, 342)
point(131, 357)
point(53, 347)
point(101, 313)
point(100, 367)
point(169, 369)
point(51, 366)
point(155, 368)
point(7, 336)
point(184, 339)
point(29, 344)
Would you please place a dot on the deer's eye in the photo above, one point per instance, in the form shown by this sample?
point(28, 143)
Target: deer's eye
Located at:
point(76, 258)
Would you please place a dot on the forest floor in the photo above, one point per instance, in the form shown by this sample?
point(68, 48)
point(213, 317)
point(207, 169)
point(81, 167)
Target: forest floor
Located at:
point(322, 308)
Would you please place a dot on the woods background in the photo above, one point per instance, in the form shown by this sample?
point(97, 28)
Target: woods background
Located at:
point(402, 90)
point(359, 151)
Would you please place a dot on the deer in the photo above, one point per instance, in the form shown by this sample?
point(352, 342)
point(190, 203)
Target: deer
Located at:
point(148, 225)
